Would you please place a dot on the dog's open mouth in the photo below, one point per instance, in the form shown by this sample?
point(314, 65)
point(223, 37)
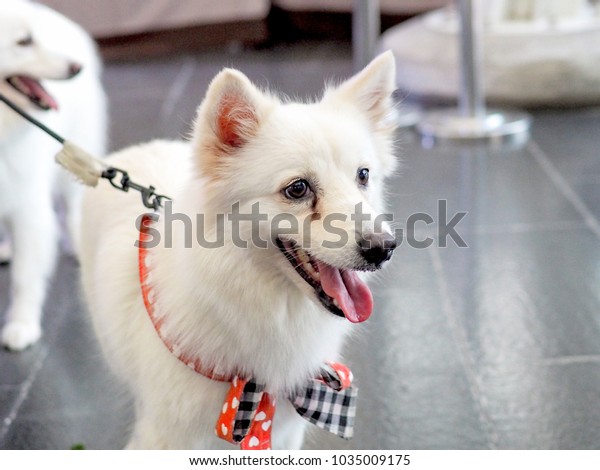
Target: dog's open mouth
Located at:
point(33, 90)
point(340, 291)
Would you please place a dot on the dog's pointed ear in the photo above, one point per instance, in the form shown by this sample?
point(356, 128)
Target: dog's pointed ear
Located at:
point(371, 91)
point(230, 114)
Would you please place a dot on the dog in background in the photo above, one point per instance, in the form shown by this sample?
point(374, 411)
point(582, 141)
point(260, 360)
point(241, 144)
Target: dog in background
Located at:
point(50, 67)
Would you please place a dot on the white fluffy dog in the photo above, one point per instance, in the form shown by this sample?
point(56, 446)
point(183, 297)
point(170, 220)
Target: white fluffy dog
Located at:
point(49, 66)
point(269, 307)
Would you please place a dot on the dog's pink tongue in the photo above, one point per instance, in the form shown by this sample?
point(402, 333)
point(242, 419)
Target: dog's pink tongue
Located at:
point(352, 294)
point(36, 89)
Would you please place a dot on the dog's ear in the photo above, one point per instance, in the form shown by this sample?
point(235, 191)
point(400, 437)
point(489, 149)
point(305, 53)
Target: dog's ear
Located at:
point(229, 116)
point(371, 91)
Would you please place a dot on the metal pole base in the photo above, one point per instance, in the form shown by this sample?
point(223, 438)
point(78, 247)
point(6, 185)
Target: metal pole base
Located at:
point(450, 124)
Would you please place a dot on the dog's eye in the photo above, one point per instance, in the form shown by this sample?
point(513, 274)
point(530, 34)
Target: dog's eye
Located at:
point(362, 176)
point(297, 190)
point(26, 41)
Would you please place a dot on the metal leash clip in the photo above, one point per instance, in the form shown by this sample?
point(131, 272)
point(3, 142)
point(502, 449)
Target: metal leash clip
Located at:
point(149, 198)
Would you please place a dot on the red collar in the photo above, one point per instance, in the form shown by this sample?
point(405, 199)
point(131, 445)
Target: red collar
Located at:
point(149, 296)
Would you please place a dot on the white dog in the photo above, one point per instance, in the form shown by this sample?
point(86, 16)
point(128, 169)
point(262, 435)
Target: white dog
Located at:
point(185, 323)
point(49, 66)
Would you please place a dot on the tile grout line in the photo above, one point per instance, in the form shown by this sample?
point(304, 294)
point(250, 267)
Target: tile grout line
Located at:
point(460, 336)
point(23, 394)
point(563, 186)
point(504, 229)
point(516, 228)
point(175, 92)
point(568, 360)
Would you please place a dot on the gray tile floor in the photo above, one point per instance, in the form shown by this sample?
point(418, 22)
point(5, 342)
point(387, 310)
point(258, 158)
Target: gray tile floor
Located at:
point(492, 346)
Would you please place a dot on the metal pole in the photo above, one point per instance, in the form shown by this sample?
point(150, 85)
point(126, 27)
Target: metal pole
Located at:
point(472, 95)
point(366, 26)
point(472, 120)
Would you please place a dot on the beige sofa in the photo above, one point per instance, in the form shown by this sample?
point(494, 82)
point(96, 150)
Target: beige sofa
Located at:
point(388, 7)
point(110, 18)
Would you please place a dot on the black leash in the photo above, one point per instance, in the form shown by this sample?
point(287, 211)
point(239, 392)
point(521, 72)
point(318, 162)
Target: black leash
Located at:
point(31, 119)
point(149, 197)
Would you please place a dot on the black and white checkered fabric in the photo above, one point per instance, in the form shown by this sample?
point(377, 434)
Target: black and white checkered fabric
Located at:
point(249, 401)
point(321, 402)
point(328, 408)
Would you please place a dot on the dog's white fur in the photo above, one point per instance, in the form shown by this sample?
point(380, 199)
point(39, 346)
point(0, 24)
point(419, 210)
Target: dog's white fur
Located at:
point(233, 307)
point(29, 177)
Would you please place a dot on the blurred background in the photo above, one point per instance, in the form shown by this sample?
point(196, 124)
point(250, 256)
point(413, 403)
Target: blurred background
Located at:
point(492, 345)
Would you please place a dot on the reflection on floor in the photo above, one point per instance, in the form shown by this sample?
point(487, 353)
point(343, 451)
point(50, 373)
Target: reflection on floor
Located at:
point(496, 345)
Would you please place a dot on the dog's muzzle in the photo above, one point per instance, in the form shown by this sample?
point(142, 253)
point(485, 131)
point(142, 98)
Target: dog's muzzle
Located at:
point(377, 248)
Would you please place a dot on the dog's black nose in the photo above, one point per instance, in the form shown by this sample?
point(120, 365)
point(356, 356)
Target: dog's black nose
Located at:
point(74, 69)
point(377, 247)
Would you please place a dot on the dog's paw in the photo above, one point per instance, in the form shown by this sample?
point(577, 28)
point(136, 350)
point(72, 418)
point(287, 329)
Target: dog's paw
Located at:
point(5, 252)
point(17, 336)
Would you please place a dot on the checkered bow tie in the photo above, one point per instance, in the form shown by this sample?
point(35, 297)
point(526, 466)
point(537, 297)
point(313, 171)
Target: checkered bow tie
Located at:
point(329, 402)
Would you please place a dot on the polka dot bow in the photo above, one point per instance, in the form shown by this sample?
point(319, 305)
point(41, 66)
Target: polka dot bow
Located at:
point(328, 402)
